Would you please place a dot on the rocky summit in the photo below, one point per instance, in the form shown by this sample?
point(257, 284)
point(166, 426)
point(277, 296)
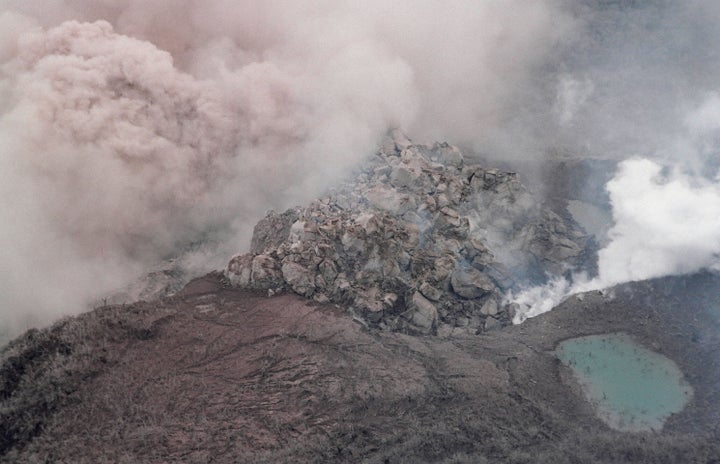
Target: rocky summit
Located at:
point(422, 240)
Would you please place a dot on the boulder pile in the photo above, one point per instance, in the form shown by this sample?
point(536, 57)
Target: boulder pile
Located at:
point(422, 241)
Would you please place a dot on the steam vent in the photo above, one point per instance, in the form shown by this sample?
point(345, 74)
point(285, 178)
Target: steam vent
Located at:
point(422, 240)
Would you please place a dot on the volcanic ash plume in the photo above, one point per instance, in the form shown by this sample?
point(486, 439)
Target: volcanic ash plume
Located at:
point(110, 158)
point(136, 131)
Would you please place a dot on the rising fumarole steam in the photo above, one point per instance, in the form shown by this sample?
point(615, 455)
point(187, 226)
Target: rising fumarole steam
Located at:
point(132, 129)
point(666, 221)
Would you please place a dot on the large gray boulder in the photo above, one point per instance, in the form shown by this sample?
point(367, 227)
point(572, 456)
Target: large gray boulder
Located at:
point(470, 283)
point(424, 314)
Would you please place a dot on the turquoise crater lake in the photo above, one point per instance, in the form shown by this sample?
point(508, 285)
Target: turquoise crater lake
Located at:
point(631, 387)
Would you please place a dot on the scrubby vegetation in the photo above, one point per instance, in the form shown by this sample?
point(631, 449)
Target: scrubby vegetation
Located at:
point(41, 370)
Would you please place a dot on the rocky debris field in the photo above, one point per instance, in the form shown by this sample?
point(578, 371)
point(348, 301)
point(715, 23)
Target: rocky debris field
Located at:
point(224, 375)
point(422, 240)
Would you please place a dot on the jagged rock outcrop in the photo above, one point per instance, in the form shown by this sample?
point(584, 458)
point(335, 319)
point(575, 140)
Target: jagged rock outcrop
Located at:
point(422, 240)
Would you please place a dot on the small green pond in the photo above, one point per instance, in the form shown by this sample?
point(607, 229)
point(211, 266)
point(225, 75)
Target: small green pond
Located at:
point(631, 387)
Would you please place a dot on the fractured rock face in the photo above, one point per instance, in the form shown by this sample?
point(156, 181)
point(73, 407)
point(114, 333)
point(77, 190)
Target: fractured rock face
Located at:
point(470, 283)
point(299, 278)
point(424, 313)
point(272, 230)
point(422, 238)
point(264, 272)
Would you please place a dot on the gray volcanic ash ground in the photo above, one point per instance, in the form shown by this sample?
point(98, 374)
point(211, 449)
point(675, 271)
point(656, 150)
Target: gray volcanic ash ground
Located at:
point(409, 179)
point(226, 375)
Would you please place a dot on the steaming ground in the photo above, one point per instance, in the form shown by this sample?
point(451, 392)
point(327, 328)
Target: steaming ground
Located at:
point(666, 222)
point(134, 131)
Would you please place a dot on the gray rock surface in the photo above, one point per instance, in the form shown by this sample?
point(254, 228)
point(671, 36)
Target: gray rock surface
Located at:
point(421, 238)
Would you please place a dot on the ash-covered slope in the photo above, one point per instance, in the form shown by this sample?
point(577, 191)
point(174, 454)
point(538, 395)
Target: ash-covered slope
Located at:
point(422, 240)
point(223, 375)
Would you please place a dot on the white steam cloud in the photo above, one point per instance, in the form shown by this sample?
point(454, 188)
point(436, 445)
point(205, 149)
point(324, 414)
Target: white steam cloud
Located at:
point(132, 130)
point(664, 224)
point(666, 219)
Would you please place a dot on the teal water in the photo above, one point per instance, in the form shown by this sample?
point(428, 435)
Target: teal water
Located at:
point(632, 387)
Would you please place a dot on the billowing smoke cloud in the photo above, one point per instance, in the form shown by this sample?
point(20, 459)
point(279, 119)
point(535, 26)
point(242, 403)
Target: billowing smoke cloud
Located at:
point(664, 224)
point(133, 130)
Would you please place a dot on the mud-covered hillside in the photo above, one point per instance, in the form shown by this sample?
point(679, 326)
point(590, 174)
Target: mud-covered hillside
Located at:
point(217, 374)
